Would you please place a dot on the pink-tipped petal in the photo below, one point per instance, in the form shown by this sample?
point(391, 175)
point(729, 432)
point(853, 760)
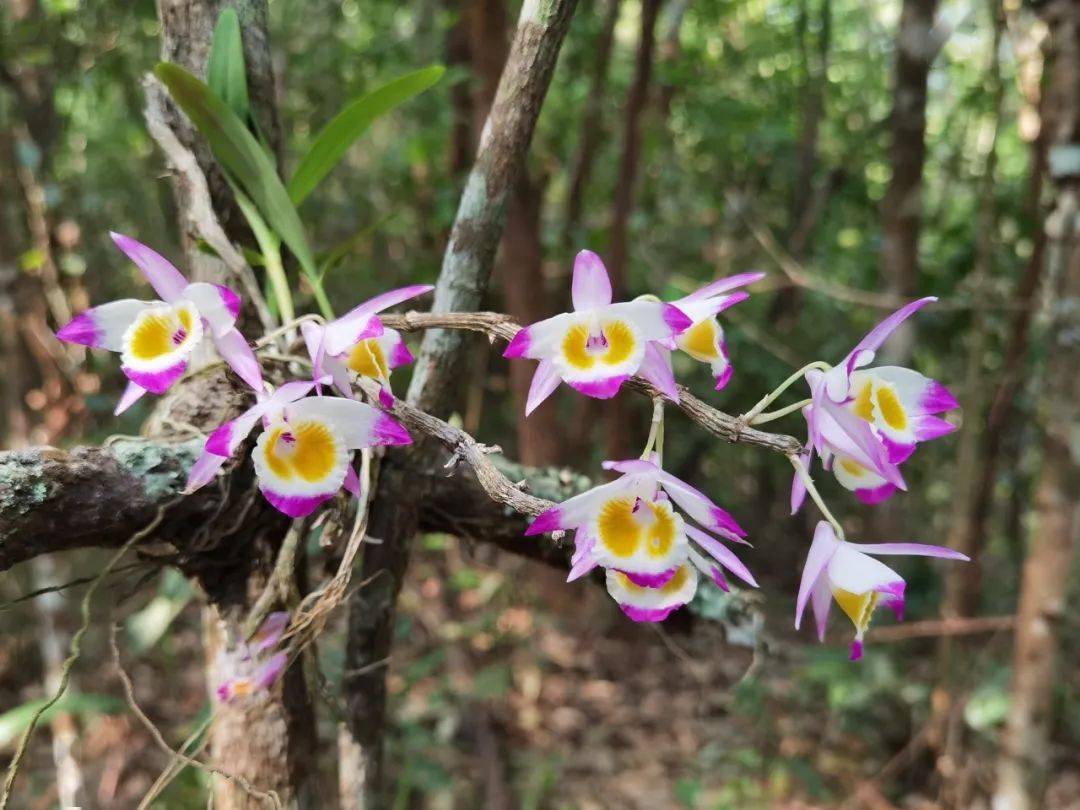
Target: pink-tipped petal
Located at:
point(722, 554)
point(81, 329)
point(584, 566)
point(910, 549)
point(591, 286)
point(546, 521)
point(103, 327)
point(632, 465)
point(640, 614)
point(295, 505)
point(932, 427)
point(238, 355)
point(676, 319)
point(519, 345)
point(821, 551)
point(202, 472)
point(156, 382)
point(352, 482)
point(604, 388)
point(166, 280)
point(271, 631)
point(875, 495)
point(856, 650)
point(544, 382)
point(389, 431)
point(938, 399)
point(386, 398)
point(132, 394)
point(656, 368)
point(880, 333)
point(696, 504)
point(724, 285)
point(270, 671)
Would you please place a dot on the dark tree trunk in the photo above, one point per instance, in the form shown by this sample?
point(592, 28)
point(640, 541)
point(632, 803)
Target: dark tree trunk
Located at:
point(592, 129)
point(916, 47)
point(271, 742)
point(437, 382)
point(618, 421)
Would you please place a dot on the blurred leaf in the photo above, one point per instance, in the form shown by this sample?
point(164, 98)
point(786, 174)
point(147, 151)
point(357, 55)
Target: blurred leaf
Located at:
point(225, 72)
point(491, 682)
point(14, 721)
point(237, 150)
point(147, 627)
point(331, 144)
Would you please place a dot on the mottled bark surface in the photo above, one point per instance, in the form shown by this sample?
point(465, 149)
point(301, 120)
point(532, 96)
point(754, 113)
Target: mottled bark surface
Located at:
point(436, 383)
point(1026, 752)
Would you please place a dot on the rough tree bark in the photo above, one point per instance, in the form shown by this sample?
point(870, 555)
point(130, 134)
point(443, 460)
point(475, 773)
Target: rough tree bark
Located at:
point(435, 386)
point(1025, 752)
point(618, 435)
point(271, 742)
point(916, 47)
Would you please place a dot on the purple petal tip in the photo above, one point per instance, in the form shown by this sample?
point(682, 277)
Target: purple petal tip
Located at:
point(519, 345)
point(856, 650)
point(81, 330)
point(389, 431)
point(676, 318)
point(545, 522)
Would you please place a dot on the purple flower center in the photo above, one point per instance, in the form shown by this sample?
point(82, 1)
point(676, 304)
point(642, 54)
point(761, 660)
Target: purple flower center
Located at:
point(596, 343)
point(179, 336)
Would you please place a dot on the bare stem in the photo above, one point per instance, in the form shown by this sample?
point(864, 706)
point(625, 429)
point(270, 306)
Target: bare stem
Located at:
point(750, 416)
point(808, 482)
point(762, 418)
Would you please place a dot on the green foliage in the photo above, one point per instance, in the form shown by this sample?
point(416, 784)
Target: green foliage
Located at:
point(14, 721)
point(347, 126)
point(225, 71)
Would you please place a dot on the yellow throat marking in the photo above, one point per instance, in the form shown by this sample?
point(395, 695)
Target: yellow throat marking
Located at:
point(311, 455)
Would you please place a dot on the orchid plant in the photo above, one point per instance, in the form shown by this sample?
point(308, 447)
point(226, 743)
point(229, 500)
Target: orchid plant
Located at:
point(652, 533)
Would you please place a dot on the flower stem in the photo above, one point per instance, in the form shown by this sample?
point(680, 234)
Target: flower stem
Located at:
point(656, 431)
point(762, 418)
point(768, 399)
point(808, 482)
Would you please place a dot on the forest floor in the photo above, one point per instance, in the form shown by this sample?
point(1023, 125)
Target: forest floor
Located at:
point(513, 689)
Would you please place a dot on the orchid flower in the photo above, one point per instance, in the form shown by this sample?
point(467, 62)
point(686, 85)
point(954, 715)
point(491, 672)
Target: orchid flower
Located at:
point(652, 554)
point(864, 422)
point(357, 342)
point(250, 669)
point(599, 345)
point(704, 340)
point(845, 572)
point(304, 454)
point(156, 338)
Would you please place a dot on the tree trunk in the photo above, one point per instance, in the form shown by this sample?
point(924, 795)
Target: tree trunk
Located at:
point(592, 129)
point(1025, 756)
point(269, 741)
point(436, 383)
point(916, 48)
point(618, 434)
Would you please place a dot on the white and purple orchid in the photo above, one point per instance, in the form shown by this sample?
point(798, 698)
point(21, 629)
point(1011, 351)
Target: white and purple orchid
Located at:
point(704, 339)
point(864, 422)
point(252, 667)
point(156, 338)
point(846, 572)
point(303, 457)
point(358, 343)
point(599, 345)
point(630, 527)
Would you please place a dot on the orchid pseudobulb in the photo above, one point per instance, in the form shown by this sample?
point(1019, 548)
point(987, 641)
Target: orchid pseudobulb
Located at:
point(599, 345)
point(846, 573)
point(155, 339)
point(651, 553)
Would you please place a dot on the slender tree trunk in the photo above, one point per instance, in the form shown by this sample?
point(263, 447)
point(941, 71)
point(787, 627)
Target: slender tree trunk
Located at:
point(961, 591)
point(270, 741)
point(1025, 758)
point(619, 435)
point(436, 383)
point(916, 48)
point(592, 129)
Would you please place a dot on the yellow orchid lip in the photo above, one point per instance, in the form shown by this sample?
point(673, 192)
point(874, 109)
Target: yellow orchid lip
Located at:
point(611, 344)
